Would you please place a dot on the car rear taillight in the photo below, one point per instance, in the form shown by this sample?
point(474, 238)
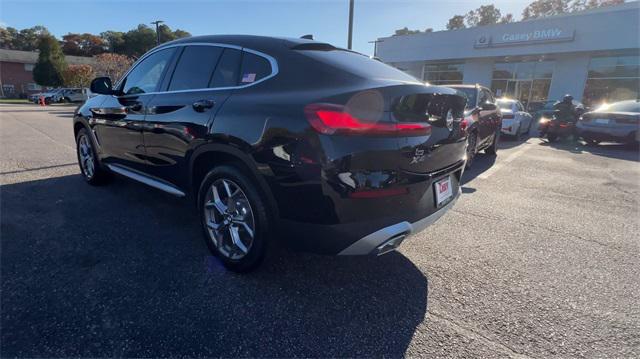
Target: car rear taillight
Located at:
point(330, 119)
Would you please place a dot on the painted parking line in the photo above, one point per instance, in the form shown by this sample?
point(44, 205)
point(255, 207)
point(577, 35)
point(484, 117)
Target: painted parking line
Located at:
point(496, 167)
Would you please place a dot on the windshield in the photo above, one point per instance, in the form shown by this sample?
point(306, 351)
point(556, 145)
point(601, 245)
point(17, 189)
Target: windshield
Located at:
point(623, 106)
point(504, 105)
point(470, 93)
point(359, 65)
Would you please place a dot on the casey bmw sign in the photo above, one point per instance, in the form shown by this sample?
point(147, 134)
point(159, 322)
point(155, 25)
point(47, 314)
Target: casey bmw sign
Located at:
point(517, 38)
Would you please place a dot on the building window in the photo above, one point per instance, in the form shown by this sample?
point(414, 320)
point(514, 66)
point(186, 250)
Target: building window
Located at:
point(527, 82)
point(611, 79)
point(33, 87)
point(29, 67)
point(443, 73)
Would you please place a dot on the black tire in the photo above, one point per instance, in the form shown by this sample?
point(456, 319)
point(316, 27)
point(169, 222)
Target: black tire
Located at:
point(472, 142)
point(65, 100)
point(98, 176)
point(493, 148)
point(552, 137)
point(261, 242)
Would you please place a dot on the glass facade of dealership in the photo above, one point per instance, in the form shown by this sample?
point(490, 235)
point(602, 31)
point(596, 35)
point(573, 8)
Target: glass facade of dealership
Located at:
point(610, 78)
point(533, 61)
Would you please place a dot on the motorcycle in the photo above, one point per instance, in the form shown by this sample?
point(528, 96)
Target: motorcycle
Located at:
point(554, 128)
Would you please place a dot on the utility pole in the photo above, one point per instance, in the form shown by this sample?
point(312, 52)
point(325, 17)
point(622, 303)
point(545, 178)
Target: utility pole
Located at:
point(350, 24)
point(157, 23)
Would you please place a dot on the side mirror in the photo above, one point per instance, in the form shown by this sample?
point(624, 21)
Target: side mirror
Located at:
point(102, 85)
point(488, 106)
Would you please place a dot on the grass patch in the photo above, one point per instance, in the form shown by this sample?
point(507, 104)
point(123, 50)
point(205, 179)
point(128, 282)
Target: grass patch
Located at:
point(15, 101)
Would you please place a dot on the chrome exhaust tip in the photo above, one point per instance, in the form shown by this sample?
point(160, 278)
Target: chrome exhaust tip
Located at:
point(391, 244)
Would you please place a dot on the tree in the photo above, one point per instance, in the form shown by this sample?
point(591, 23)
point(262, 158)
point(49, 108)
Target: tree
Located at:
point(111, 65)
point(507, 19)
point(456, 22)
point(484, 15)
point(139, 40)
point(8, 37)
point(181, 33)
point(78, 75)
point(579, 5)
point(405, 31)
point(51, 65)
point(28, 39)
point(113, 40)
point(540, 8)
point(82, 44)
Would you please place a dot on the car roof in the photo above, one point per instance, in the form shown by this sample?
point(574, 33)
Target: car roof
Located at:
point(502, 99)
point(255, 42)
point(464, 86)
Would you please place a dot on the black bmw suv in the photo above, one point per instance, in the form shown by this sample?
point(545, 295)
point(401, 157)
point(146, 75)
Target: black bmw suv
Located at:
point(279, 138)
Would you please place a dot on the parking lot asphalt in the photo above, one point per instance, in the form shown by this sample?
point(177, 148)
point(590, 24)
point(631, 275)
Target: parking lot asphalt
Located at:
point(539, 258)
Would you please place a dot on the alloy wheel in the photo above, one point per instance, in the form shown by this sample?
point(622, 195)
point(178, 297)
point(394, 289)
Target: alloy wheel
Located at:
point(229, 219)
point(85, 153)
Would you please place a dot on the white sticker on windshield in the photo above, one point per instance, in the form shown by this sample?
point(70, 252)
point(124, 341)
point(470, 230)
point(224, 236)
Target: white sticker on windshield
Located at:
point(248, 78)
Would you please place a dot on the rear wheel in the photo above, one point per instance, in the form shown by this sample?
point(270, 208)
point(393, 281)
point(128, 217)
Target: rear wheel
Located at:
point(88, 160)
point(234, 218)
point(471, 148)
point(552, 137)
point(493, 148)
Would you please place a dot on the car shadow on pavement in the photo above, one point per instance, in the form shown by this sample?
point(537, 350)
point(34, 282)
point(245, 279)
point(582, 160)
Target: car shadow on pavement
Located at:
point(481, 163)
point(122, 270)
point(612, 150)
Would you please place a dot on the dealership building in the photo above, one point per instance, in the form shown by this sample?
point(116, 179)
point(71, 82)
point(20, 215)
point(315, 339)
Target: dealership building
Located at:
point(592, 55)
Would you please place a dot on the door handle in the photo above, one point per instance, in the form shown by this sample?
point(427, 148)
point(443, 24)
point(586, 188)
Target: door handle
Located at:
point(135, 107)
point(203, 105)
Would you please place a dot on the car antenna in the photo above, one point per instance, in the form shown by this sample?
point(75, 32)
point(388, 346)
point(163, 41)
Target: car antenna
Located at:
point(308, 37)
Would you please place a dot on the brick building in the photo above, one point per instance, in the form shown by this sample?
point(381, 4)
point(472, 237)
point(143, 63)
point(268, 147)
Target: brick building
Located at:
point(16, 71)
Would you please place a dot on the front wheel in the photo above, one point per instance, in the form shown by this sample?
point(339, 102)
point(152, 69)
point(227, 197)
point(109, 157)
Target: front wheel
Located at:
point(234, 218)
point(552, 137)
point(88, 160)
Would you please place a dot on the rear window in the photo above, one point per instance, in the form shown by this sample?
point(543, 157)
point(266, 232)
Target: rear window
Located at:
point(195, 67)
point(504, 105)
point(625, 106)
point(254, 68)
point(226, 74)
point(359, 65)
point(470, 93)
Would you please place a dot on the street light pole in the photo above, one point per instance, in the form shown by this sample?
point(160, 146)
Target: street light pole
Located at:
point(157, 23)
point(349, 42)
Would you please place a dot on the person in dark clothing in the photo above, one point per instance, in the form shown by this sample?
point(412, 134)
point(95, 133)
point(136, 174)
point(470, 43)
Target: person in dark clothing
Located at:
point(565, 110)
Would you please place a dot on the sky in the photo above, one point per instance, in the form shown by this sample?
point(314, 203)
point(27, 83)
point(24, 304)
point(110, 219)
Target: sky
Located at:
point(327, 20)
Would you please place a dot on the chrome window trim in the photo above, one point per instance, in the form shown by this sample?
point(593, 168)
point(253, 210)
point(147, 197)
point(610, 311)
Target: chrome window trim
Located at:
point(272, 62)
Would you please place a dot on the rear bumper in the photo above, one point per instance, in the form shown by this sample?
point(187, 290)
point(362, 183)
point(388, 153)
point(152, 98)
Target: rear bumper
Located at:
point(510, 127)
point(365, 224)
point(389, 238)
point(606, 133)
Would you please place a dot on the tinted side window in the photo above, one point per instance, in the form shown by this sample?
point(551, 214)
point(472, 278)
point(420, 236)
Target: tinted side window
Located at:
point(146, 76)
point(254, 68)
point(226, 73)
point(195, 67)
point(483, 97)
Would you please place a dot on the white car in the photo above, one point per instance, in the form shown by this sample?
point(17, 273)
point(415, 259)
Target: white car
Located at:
point(515, 120)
